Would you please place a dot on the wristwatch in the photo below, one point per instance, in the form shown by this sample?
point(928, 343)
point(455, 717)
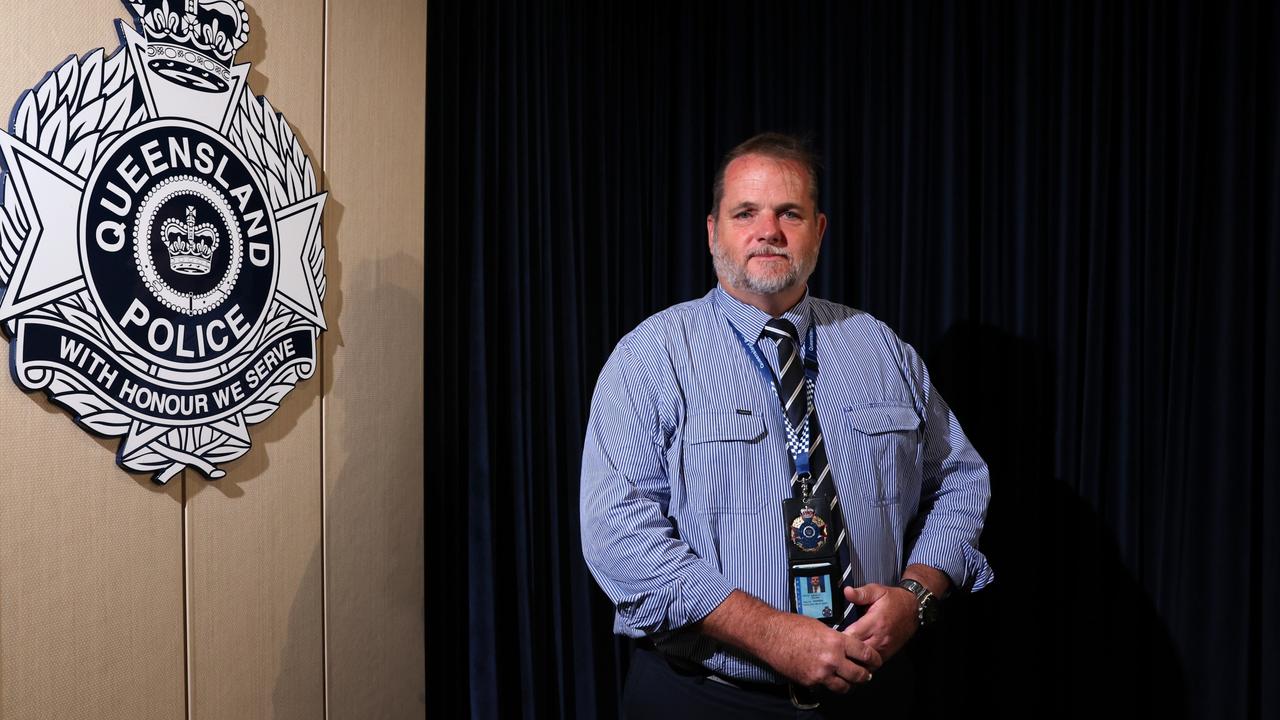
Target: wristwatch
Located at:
point(926, 602)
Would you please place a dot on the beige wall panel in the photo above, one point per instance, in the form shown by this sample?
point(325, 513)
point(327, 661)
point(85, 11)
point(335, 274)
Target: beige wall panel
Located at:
point(91, 622)
point(90, 582)
point(255, 600)
point(374, 378)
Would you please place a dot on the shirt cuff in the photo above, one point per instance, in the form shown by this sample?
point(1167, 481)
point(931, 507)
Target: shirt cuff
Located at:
point(681, 603)
point(964, 564)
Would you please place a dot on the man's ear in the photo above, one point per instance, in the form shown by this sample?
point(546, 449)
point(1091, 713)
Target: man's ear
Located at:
point(711, 230)
point(822, 227)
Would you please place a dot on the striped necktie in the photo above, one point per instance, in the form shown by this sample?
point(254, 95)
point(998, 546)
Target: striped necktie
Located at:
point(797, 404)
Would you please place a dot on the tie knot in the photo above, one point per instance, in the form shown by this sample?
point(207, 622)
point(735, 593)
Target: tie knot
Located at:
point(781, 328)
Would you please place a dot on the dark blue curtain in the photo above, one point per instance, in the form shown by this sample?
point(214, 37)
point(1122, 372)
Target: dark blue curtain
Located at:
point(1071, 209)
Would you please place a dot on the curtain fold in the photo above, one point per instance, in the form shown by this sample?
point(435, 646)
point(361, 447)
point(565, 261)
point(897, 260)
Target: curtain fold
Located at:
point(1071, 209)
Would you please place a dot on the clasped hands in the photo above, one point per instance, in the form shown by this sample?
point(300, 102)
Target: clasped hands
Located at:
point(814, 655)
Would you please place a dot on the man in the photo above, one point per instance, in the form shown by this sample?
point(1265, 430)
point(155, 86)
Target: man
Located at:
point(708, 475)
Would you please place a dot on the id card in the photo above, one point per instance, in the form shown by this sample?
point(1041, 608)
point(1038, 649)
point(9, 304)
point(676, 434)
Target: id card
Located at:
point(816, 592)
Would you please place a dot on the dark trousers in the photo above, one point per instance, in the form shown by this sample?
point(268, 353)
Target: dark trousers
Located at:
point(658, 689)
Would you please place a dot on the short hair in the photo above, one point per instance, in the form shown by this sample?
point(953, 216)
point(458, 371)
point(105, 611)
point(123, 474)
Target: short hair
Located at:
point(778, 146)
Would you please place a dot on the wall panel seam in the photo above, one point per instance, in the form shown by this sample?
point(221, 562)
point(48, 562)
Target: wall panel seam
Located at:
point(324, 369)
point(186, 604)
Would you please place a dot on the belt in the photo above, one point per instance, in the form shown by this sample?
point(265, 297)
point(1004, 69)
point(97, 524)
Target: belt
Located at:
point(774, 689)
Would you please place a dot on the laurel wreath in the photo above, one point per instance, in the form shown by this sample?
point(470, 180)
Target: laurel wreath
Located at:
point(73, 116)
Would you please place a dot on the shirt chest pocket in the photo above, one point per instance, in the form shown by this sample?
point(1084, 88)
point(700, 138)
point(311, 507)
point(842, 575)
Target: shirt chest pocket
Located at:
point(724, 469)
point(884, 451)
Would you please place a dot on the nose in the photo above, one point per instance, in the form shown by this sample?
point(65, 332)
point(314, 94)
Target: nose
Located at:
point(767, 228)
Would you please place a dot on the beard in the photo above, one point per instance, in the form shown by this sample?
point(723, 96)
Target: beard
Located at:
point(737, 275)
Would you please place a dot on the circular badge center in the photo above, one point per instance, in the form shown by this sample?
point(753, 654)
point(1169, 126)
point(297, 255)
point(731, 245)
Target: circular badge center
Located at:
point(188, 249)
point(179, 245)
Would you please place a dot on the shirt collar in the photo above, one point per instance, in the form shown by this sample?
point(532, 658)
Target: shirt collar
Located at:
point(750, 319)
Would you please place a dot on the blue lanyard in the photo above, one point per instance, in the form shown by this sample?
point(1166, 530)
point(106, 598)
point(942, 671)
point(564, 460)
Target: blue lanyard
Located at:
point(798, 456)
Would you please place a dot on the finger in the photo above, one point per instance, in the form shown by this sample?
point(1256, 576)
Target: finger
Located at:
point(854, 674)
point(862, 653)
point(850, 671)
point(864, 594)
point(837, 684)
point(851, 594)
point(874, 659)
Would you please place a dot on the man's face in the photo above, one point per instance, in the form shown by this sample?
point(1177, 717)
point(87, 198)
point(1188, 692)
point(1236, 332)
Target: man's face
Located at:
point(766, 237)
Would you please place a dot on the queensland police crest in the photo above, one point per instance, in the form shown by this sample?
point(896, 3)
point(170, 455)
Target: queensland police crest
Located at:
point(161, 260)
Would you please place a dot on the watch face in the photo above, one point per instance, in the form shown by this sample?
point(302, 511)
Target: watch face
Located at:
point(929, 610)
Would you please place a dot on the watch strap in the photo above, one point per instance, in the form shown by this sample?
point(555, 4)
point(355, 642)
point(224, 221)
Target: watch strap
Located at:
point(926, 601)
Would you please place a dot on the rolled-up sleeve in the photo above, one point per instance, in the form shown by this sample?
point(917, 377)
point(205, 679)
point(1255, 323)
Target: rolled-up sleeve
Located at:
point(656, 582)
point(954, 496)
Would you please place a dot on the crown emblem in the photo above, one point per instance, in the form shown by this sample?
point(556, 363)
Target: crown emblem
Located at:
point(198, 38)
point(190, 245)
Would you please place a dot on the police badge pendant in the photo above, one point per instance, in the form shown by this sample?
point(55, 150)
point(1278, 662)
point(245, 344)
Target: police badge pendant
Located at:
point(809, 523)
point(808, 530)
point(161, 263)
point(813, 556)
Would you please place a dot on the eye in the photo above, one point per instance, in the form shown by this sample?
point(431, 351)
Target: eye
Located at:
point(742, 215)
point(791, 215)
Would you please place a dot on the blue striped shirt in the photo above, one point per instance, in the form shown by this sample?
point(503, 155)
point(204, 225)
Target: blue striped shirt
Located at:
point(685, 468)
